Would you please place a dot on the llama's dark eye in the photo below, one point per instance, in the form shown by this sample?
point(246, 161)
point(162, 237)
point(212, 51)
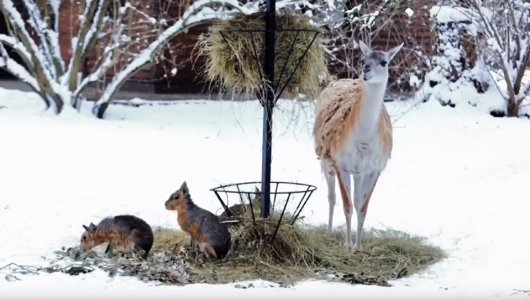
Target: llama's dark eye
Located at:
point(383, 63)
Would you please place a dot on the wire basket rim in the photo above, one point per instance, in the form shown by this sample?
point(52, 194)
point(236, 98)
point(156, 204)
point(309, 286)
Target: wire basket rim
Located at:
point(226, 188)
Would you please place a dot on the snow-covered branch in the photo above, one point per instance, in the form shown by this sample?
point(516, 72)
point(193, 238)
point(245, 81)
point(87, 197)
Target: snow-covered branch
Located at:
point(15, 19)
point(199, 12)
point(16, 69)
point(120, 46)
point(40, 67)
point(16, 45)
point(92, 17)
point(36, 21)
point(107, 62)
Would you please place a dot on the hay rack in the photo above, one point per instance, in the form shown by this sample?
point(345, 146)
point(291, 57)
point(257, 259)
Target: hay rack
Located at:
point(268, 95)
point(288, 201)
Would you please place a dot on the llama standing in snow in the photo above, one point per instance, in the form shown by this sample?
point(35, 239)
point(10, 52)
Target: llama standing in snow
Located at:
point(353, 136)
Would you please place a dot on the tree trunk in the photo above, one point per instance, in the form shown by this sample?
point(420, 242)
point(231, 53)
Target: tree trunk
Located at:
point(513, 107)
point(99, 110)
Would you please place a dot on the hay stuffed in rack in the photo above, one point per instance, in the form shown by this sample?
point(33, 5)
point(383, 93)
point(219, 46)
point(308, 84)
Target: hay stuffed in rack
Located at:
point(231, 60)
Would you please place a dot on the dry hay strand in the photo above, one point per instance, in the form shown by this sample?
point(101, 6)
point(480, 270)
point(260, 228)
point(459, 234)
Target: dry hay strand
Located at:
point(232, 66)
point(298, 252)
point(301, 252)
point(165, 264)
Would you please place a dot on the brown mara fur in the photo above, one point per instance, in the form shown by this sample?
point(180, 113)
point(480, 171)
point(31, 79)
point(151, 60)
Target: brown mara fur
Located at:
point(207, 233)
point(130, 232)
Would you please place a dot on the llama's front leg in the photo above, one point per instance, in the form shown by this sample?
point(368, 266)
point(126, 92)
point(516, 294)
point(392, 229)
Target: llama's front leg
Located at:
point(364, 187)
point(345, 187)
point(330, 180)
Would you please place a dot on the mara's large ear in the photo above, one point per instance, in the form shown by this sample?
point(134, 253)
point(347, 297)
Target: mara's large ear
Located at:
point(364, 48)
point(392, 52)
point(92, 227)
point(86, 228)
point(184, 188)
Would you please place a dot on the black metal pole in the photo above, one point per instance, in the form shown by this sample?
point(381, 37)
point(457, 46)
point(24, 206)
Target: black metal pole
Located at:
point(268, 104)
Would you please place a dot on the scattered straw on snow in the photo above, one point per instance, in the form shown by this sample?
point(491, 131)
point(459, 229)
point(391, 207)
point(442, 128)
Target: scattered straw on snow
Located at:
point(298, 252)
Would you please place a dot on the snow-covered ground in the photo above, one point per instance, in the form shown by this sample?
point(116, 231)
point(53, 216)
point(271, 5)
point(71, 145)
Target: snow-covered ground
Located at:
point(457, 176)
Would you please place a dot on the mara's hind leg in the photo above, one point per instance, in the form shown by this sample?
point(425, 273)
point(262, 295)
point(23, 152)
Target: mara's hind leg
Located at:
point(364, 187)
point(330, 180)
point(139, 248)
point(208, 250)
point(345, 187)
point(110, 248)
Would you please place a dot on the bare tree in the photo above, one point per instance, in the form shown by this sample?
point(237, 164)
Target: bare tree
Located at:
point(505, 25)
point(123, 34)
point(347, 22)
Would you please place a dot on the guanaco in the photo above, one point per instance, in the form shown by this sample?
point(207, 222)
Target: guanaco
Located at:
point(353, 136)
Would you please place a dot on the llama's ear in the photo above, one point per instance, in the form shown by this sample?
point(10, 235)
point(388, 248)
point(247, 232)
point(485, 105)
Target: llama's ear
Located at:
point(364, 48)
point(392, 52)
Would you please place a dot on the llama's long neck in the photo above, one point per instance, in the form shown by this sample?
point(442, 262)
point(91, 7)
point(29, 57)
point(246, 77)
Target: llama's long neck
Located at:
point(371, 108)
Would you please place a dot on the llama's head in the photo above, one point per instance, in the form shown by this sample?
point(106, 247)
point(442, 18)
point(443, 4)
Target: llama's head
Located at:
point(375, 63)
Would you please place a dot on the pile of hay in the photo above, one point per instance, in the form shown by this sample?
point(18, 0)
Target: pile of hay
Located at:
point(297, 252)
point(231, 63)
point(300, 252)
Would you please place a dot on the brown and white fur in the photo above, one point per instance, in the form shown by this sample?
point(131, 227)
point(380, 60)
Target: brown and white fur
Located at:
point(353, 136)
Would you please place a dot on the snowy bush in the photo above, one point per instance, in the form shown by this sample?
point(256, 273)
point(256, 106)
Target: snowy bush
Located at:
point(456, 74)
point(498, 33)
point(505, 25)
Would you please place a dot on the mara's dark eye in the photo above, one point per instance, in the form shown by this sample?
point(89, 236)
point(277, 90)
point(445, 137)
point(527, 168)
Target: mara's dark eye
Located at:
point(84, 238)
point(383, 63)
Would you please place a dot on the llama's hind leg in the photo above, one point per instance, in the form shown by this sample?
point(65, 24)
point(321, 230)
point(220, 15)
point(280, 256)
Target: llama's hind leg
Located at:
point(330, 180)
point(364, 187)
point(345, 188)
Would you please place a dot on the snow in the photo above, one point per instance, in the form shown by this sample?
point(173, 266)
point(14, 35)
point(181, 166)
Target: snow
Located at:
point(15, 44)
point(457, 177)
point(446, 14)
point(15, 68)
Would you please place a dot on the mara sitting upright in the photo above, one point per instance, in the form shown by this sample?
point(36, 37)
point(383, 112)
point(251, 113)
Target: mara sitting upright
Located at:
point(205, 229)
point(353, 136)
